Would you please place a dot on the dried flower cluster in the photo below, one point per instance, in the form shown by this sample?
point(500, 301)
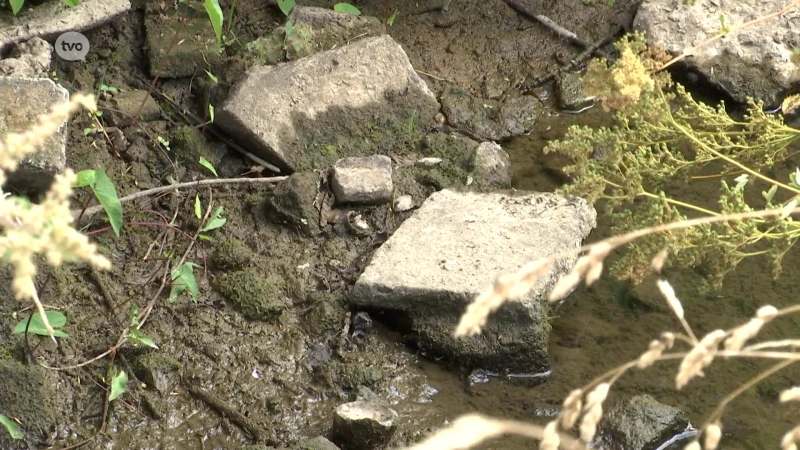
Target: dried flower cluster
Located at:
point(44, 228)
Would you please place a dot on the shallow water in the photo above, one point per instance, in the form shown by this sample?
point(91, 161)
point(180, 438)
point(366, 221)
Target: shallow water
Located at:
point(595, 331)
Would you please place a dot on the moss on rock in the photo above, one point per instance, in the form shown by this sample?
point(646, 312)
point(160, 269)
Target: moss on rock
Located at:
point(256, 295)
point(231, 254)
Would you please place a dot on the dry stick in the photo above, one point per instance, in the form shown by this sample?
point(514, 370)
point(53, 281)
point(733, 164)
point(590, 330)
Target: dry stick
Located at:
point(546, 21)
point(689, 51)
point(90, 212)
point(259, 434)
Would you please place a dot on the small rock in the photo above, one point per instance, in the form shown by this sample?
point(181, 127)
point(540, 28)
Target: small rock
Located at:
point(428, 162)
point(292, 201)
point(318, 354)
point(128, 103)
point(491, 166)
point(363, 426)
point(571, 96)
point(231, 254)
point(256, 295)
point(317, 443)
point(361, 324)
point(403, 203)
point(32, 59)
point(494, 85)
point(366, 180)
point(491, 120)
point(23, 100)
point(640, 423)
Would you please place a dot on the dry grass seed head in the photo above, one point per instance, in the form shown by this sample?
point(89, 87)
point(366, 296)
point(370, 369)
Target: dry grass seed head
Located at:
point(474, 318)
point(713, 434)
point(672, 299)
point(699, 357)
point(789, 441)
point(593, 411)
point(572, 409)
point(790, 395)
point(744, 333)
point(550, 439)
point(657, 263)
point(694, 445)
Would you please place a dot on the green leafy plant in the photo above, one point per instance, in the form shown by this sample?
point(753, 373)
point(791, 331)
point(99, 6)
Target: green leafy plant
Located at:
point(392, 18)
point(35, 325)
point(206, 163)
point(183, 280)
point(11, 426)
point(119, 384)
point(286, 6)
point(215, 15)
point(16, 5)
point(136, 336)
point(106, 194)
point(346, 8)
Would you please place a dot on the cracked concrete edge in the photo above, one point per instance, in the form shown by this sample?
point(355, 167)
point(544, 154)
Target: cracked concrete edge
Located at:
point(49, 20)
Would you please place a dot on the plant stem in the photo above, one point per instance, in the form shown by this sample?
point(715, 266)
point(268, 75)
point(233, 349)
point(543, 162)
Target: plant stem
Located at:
point(91, 212)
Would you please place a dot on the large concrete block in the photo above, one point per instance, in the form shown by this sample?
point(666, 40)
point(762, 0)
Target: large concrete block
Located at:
point(351, 101)
point(453, 248)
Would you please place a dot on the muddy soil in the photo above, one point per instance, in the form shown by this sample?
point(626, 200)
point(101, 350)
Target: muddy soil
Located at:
point(284, 368)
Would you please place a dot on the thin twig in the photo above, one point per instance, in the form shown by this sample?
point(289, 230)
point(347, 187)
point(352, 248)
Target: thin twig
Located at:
point(191, 119)
point(91, 212)
point(546, 21)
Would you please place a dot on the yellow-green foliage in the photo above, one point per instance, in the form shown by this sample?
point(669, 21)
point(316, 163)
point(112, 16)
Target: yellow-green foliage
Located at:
point(661, 137)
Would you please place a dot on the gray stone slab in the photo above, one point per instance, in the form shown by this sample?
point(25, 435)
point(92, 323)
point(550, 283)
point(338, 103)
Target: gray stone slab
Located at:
point(343, 102)
point(453, 248)
point(366, 180)
point(753, 62)
point(23, 100)
point(51, 19)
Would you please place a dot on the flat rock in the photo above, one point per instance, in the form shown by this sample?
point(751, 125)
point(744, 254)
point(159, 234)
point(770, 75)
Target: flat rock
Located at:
point(754, 62)
point(23, 100)
point(490, 120)
point(311, 112)
point(366, 180)
point(640, 423)
point(129, 105)
point(453, 248)
point(31, 59)
point(319, 29)
point(49, 20)
point(175, 49)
